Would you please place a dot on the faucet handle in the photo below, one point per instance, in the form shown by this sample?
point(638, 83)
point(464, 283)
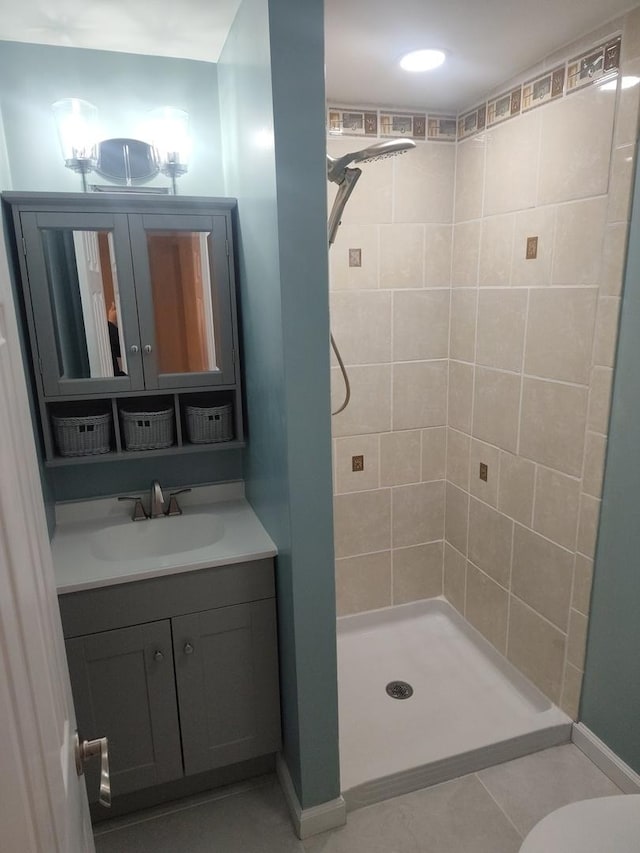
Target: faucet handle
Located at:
point(174, 506)
point(139, 513)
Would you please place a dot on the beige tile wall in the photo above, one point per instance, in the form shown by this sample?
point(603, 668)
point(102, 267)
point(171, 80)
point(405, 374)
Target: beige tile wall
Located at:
point(532, 346)
point(462, 351)
point(390, 318)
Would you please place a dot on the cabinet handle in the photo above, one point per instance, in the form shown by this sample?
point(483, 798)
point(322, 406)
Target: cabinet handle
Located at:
point(158, 656)
point(134, 348)
point(86, 750)
point(188, 649)
point(147, 348)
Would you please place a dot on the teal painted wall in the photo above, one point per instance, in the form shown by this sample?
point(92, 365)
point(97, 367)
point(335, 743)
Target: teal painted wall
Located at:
point(297, 68)
point(117, 478)
point(271, 79)
point(124, 87)
point(610, 704)
point(5, 183)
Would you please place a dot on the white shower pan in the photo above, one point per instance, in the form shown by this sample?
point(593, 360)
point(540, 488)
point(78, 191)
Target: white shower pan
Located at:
point(470, 707)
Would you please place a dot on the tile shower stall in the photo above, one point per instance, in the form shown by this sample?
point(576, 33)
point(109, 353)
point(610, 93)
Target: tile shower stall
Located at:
point(478, 321)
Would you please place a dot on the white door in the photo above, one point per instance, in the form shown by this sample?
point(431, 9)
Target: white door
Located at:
point(94, 308)
point(43, 803)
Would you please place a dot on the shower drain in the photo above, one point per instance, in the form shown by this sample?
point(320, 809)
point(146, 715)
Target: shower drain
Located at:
point(399, 690)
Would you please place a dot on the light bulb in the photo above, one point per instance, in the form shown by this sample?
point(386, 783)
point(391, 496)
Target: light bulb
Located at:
point(422, 60)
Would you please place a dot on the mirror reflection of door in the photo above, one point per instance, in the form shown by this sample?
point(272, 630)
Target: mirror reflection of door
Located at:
point(83, 286)
point(112, 300)
point(183, 310)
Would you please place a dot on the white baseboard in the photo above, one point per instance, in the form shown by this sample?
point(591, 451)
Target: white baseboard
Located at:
point(611, 765)
point(308, 822)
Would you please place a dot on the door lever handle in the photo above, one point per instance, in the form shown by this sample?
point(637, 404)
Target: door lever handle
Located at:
point(87, 749)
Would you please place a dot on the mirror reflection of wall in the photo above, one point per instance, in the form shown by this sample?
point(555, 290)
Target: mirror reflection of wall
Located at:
point(183, 311)
point(83, 286)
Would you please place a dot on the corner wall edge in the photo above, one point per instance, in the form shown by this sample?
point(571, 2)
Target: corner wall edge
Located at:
point(308, 822)
point(605, 759)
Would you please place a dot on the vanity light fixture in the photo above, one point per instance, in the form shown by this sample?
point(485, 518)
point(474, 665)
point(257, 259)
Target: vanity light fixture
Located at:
point(123, 161)
point(422, 60)
point(168, 132)
point(77, 124)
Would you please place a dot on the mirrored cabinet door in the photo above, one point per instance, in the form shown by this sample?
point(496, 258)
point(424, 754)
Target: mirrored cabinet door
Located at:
point(182, 274)
point(83, 302)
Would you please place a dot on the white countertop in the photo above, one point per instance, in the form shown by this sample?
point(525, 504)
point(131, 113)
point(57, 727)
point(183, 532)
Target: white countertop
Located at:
point(97, 544)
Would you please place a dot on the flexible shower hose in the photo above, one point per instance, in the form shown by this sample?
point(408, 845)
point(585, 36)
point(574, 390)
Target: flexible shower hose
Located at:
point(347, 385)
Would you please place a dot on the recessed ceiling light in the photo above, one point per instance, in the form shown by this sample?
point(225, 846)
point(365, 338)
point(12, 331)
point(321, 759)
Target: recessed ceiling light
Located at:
point(422, 60)
point(625, 83)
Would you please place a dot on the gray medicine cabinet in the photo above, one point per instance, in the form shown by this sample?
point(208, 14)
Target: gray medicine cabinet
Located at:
point(130, 305)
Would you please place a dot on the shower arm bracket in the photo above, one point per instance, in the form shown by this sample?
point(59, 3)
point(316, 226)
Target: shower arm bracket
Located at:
point(342, 197)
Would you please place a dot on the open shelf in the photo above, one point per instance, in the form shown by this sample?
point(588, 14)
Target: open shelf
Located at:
point(117, 456)
point(117, 406)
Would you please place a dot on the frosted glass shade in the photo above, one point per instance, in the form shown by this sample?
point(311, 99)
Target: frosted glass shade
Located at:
point(168, 132)
point(77, 125)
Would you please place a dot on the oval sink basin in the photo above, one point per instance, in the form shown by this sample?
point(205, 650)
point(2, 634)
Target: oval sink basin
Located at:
point(157, 537)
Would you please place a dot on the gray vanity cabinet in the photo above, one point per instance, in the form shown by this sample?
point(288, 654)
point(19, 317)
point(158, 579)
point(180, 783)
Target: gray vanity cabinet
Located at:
point(226, 666)
point(123, 684)
point(177, 689)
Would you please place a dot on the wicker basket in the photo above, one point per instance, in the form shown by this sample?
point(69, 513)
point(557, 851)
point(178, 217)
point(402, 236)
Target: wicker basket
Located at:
point(147, 430)
point(208, 424)
point(88, 435)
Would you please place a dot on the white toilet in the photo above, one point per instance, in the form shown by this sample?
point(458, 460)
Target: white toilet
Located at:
point(603, 825)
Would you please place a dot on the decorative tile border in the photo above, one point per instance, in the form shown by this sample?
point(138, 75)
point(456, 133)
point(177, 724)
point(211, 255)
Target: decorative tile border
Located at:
point(352, 122)
point(443, 128)
point(472, 122)
point(589, 67)
point(594, 64)
point(544, 88)
point(398, 124)
point(346, 121)
point(504, 107)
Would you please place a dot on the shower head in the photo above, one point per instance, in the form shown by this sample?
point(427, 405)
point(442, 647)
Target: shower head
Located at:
point(339, 172)
point(337, 167)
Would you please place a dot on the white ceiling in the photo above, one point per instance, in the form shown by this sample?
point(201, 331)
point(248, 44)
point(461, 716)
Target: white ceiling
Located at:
point(189, 29)
point(489, 41)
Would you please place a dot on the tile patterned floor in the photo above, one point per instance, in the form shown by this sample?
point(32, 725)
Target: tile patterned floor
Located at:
point(486, 812)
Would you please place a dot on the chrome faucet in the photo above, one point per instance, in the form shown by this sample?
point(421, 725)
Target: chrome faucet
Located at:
point(157, 505)
point(156, 501)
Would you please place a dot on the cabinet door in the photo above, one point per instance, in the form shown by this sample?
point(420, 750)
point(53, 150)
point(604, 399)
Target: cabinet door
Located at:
point(83, 305)
point(185, 302)
point(227, 677)
point(124, 687)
